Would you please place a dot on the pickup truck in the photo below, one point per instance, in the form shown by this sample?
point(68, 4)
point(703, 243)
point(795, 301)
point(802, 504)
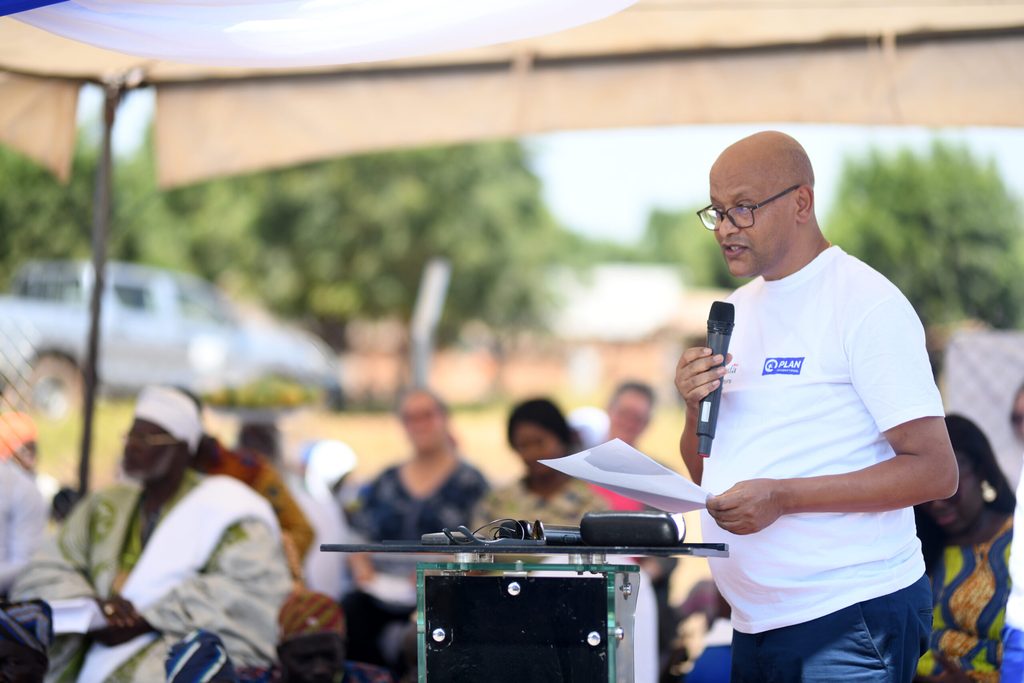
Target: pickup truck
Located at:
point(157, 326)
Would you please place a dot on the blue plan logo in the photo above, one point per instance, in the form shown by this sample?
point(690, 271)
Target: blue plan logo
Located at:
point(783, 366)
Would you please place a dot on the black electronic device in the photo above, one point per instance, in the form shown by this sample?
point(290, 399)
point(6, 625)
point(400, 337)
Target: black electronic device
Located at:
point(507, 532)
point(641, 529)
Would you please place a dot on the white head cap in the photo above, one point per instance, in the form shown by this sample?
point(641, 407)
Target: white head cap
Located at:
point(326, 463)
point(172, 411)
point(591, 425)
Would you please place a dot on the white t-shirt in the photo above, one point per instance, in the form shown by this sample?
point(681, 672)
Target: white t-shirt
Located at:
point(824, 361)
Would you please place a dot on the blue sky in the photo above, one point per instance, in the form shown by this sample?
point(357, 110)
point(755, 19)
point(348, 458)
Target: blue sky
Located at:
point(604, 183)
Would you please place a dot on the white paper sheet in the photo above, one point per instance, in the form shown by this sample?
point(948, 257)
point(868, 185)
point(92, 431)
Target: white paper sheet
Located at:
point(76, 615)
point(618, 467)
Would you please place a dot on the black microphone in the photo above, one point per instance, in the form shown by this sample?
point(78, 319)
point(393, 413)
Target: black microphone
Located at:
point(720, 324)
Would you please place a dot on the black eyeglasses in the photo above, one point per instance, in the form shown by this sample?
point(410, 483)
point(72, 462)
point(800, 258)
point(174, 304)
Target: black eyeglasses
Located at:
point(742, 216)
point(1016, 419)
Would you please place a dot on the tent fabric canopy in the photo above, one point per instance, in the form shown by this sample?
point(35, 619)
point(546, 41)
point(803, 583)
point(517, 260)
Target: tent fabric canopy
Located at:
point(854, 84)
point(299, 33)
point(37, 116)
point(659, 62)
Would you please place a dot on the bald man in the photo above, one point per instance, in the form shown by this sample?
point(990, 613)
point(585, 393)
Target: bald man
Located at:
point(830, 430)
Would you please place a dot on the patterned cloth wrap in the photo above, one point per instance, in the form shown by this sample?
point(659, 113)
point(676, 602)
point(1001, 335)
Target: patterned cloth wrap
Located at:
point(970, 588)
point(199, 657)
point(28, 623)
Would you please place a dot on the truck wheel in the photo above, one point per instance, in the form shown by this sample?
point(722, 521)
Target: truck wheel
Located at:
point(56, 386)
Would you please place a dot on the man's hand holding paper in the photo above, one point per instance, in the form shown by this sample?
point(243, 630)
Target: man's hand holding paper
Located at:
point(623, 469)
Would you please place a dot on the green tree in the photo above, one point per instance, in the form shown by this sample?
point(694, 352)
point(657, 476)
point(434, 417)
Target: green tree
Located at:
point(39, 217)
point(349, 238)
point(942, 226)
point(326, 242)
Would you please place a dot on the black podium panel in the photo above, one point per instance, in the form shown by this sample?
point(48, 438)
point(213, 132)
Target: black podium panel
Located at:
point(540, 630)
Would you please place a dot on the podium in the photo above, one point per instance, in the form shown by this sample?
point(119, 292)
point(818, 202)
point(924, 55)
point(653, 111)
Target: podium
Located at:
point(518, 612)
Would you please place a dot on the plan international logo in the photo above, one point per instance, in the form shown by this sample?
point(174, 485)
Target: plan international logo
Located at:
point(783, 366)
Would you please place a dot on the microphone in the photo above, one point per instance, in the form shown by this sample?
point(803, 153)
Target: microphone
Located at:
point(720, 324)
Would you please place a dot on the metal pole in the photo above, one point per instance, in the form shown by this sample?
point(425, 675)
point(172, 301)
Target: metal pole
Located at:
point(426, 314)
point(100, 230)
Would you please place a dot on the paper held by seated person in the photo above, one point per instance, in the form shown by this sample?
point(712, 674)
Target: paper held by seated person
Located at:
point(76, 615)
point(618, 467)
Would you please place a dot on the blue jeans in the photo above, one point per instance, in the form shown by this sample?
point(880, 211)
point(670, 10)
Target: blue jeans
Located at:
point(875, 640)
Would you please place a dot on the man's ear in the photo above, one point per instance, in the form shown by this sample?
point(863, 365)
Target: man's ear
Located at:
point(804, 203)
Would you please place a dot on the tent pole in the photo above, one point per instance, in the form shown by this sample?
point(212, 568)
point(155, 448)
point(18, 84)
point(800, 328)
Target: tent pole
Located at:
point(426, 314)
point(100, 231)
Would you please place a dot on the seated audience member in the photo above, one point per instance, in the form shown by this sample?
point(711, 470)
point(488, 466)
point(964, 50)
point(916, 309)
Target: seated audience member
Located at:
point(23, 512)
point(1013, 634)
point(630, 410)
point(966, 540)
point(325, 465)
point(434, 489)
point(255, 469)
point(174, 552)
point(260, 437)
point(713, 663)
point(18, 436)
point(26, 631)
point(537, 431)
point(200, 657)
point(64, 501)
point(312, 644)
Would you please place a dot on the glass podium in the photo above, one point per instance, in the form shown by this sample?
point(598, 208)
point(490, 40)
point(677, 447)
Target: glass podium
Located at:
point(520, 612)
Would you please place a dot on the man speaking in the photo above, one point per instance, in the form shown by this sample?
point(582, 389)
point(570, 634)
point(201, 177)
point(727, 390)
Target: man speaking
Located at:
point(830, 428)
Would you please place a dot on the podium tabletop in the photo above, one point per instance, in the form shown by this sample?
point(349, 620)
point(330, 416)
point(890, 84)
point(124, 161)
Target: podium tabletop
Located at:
point(525, 548)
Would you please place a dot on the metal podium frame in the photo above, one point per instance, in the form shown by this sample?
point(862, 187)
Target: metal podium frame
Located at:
point(513, 567)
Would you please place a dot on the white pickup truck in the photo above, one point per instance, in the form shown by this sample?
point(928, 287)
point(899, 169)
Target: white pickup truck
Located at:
point(157, 326)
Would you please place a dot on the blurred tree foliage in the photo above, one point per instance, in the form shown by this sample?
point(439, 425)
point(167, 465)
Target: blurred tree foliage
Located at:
point(345, 239)
point(40, 218)
point(942, 226)
point(327, 242)
point(672, 238)
point(678, 237)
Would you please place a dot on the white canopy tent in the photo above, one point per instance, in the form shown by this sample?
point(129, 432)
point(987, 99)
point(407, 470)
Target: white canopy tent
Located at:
point(659, 62)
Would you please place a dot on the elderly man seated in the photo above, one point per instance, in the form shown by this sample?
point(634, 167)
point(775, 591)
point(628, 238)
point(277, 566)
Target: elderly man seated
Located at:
point(161, 557)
